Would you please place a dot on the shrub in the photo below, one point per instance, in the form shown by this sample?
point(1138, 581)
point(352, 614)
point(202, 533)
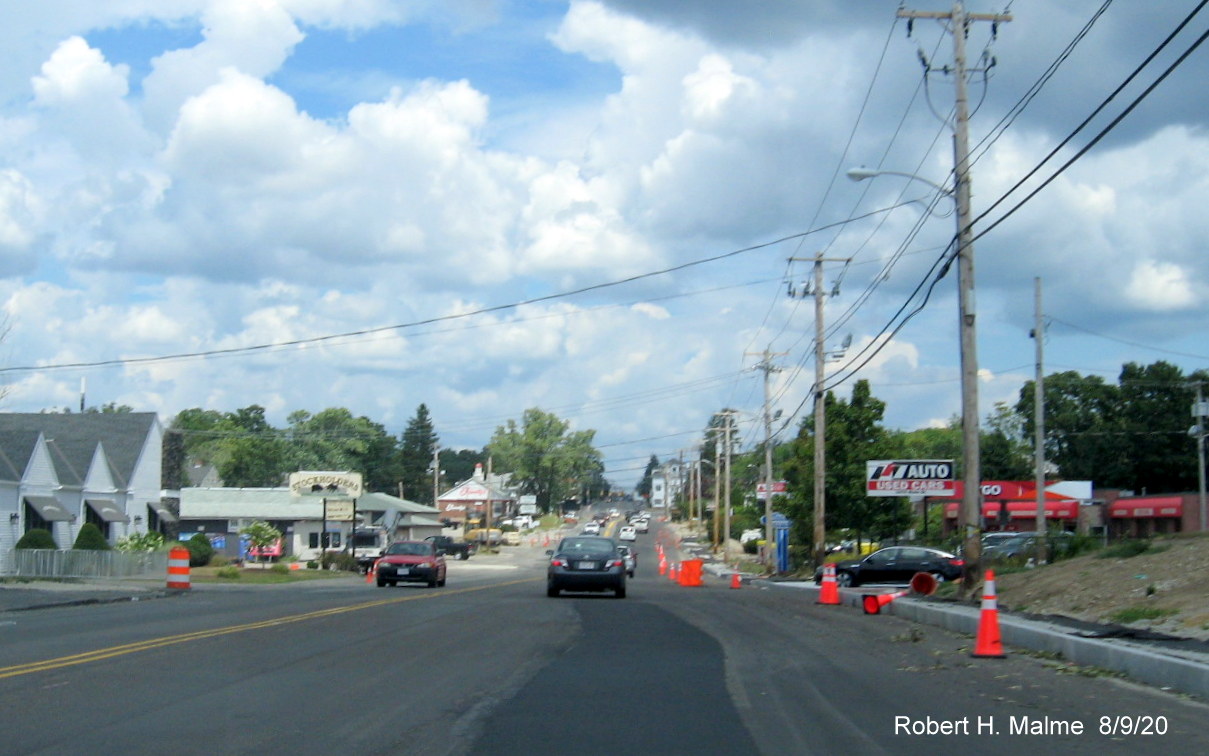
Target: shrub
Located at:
point(344, 562)
point(312, 565)
point(220, 560)
point(201, 551)
point(90, 538)
point(280, 569)
point(38, 538)
point(149, 541)
point(228, 573)
point(1125, 549)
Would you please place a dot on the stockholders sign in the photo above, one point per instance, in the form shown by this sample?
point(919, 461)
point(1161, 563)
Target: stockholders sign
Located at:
point(909, 477)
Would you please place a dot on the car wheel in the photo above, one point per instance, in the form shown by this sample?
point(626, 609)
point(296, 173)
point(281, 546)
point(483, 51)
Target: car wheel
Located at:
point(551, 590)
point(464, 556)
point(381, 583)
point(441, 582)
point(392, 583)
point(844, 579)
point(619, 592)
point(432, 582)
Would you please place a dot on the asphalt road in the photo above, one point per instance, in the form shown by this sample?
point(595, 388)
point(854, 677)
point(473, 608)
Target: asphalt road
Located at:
point(489, 665)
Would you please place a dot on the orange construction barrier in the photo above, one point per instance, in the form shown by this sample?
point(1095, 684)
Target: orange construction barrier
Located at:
point(690, 573)
point(735, 580)
point(830, 593)
point(875, 601)
point(988, 642)
point(178, 568)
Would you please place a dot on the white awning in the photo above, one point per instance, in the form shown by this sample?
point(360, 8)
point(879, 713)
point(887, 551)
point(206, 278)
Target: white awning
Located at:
point(162, 511)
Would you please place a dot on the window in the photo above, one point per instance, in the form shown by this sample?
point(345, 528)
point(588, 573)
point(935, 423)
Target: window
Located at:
point(331, 540)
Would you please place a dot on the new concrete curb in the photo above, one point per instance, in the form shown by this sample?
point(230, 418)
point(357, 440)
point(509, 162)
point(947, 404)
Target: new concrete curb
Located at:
point(1164, 669)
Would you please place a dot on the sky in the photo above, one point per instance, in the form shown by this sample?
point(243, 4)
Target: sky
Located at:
point(598, 208)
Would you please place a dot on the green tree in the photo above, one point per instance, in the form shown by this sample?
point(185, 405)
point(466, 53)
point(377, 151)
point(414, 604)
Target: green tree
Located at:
point(643, 489)
point(1083, 437)
point(90, 538)
point(544, 458)
point(419, 441)
point(334, 439)
point(1005, 452)
point(261, 535)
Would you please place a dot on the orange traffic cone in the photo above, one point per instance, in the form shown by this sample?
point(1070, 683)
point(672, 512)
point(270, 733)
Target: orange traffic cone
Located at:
point(735, 580)
point(875, 601)
point(673, 573)
point(372, 572)
point(662, 564)
point(830, 593)
point(988, 643)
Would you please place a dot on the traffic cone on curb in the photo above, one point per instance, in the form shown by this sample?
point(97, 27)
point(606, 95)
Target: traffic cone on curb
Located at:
point(875, 601)
point(735, 580)
point(988, 642)
point(372, 572)
point(830, 592)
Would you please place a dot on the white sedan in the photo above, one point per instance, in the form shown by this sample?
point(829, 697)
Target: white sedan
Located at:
point(592, 528)
point(628, 533)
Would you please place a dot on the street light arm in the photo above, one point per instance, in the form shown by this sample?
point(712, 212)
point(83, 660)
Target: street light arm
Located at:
point(862, 173)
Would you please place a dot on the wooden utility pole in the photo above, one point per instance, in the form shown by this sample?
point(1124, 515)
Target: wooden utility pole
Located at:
point(969, 516)
point(1039, 424)
point(768, 368)
point(819, 551)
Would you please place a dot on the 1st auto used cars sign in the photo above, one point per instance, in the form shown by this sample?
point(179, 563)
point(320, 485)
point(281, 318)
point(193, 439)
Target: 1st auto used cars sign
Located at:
point(909, 477)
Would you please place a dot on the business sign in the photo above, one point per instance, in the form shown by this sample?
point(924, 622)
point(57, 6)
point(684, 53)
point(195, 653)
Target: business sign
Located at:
point(328, 484)
point(779, 488)
point(909, 477)
point(340, 510)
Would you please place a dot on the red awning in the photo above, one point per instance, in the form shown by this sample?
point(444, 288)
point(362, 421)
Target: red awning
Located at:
point(1152, 506)
point(1055, 509)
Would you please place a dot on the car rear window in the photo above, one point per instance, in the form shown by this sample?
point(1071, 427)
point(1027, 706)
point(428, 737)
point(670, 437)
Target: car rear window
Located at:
point(587, 546)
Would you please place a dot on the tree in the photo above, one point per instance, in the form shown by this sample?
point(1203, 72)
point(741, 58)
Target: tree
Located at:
point(335, 440)
point(1006, 453)
point(261, 535)
point(643, 489)
point(1082, 427)
point(544, 459)
point(90, 538)
point(420, 440)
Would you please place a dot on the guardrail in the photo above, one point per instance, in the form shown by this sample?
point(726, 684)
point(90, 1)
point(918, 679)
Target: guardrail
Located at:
point(73, 563)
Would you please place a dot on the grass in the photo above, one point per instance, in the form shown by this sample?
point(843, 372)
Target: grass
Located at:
point(261, 575)
point(1139, 613)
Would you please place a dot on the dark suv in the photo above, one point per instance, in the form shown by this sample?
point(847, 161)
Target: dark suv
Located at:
point(896, 564)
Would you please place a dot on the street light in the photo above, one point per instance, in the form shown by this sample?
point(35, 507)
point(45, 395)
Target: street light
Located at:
point(970, 514)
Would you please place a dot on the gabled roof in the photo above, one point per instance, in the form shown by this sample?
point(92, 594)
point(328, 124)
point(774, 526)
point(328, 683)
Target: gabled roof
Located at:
point(16, 450)
point(72, 440)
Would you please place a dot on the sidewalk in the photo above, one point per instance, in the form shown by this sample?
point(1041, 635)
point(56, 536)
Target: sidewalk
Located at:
point(40, 594)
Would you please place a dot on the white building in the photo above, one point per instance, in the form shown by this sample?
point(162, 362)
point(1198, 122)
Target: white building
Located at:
point(60, 471)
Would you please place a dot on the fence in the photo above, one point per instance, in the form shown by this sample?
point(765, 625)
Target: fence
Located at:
point(72, 563)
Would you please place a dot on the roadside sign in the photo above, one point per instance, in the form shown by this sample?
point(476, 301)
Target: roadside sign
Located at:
point(909, 477)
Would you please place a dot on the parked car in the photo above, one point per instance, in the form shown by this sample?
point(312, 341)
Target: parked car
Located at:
point(1024, 546)
point(631, 559)
point(628, 533)
point(446, 545)
point(896, 564)
point(411, 562)
point(586, 563)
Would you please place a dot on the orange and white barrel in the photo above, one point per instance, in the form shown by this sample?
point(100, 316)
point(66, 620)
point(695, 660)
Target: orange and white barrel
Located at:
point(178, 568)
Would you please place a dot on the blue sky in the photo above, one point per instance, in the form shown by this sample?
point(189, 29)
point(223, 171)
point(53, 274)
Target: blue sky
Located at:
point(191, 176)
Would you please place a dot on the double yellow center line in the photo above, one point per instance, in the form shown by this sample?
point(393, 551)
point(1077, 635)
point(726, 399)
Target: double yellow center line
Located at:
point(171, 640)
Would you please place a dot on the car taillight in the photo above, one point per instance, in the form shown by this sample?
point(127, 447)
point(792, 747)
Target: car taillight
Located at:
point(558, 562)
point(616, 563)
point(957, 562)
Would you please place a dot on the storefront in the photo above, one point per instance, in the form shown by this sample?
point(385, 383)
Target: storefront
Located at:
point(1145, 516)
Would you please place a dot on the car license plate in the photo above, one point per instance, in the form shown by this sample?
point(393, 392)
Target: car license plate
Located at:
point(402, 571)
point(587, 565)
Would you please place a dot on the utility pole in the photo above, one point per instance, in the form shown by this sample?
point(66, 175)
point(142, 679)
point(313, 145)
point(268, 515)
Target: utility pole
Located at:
point(717, 491)
point(1199, 412)
point(1039, 424)
point(819, 552)
point(436, 473)
point(769, 533)
point(969, 517)
point(726, 515)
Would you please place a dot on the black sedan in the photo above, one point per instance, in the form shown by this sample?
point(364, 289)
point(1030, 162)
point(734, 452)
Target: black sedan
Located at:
point(586, 563)
point(896, 564)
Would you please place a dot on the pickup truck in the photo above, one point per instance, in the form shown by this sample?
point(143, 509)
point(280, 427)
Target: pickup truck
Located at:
point(460, 549)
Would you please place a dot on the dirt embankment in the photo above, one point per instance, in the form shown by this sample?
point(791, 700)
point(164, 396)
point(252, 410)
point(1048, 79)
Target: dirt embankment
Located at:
point(1165, 589)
